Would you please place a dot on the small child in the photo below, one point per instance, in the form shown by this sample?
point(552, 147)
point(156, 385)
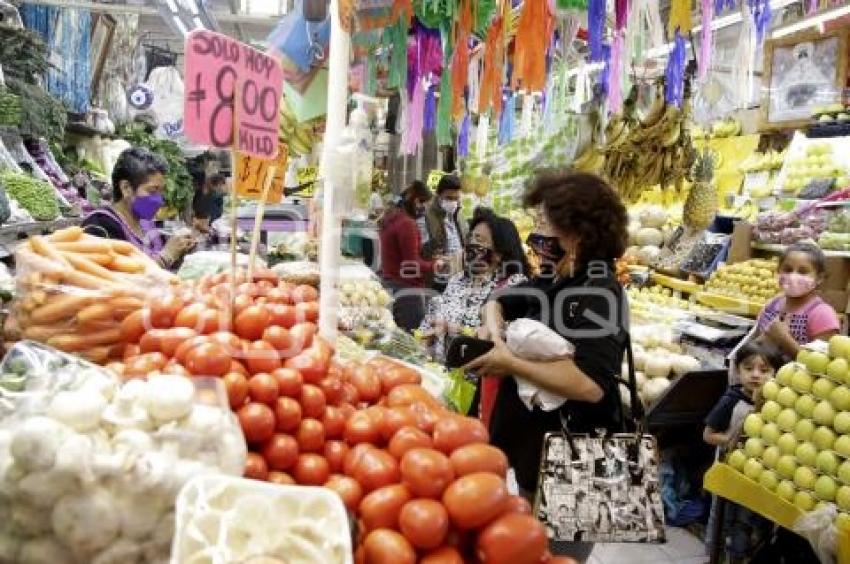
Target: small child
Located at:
point(754, 364)
point(798, 315)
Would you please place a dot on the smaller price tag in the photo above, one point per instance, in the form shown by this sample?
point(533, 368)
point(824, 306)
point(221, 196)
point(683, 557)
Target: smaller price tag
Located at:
point(252, 173)
point(305, 175)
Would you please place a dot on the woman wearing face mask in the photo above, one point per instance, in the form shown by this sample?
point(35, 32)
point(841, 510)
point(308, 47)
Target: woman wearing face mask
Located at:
point(585, 232)
point(138, 181)
point(403, 268)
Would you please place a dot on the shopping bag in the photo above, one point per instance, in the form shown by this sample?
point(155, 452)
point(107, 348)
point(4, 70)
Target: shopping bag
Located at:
point(602, 488)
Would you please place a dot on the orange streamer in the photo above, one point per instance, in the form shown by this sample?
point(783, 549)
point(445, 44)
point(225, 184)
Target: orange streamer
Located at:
point(494, 64)
point(534, 32)
point(460, 63)
point(399, 7)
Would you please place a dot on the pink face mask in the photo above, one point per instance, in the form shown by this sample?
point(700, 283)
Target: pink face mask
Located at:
point(797, 285)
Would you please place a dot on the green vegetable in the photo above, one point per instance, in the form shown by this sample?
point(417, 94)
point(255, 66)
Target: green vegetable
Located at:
point(35, 196)
point(41, 115)
point(178, 184)
point(10, 108)
point(23, 54)
point(5, 208)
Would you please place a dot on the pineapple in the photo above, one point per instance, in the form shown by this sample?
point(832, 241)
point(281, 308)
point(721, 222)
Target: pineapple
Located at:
point(701, 204)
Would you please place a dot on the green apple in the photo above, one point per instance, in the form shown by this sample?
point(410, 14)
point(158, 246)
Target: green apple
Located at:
point(804, 501)
point(753, 469)
point(803, 355)
point(769, 390)
point(769, 479)
point(754, 447)
point(824, 413)
point(844, 472)
point(805, 405)
point(839, 346)
point(786, 490)
point(786, 466)
point(842, 446)
point(804, 478)
point(825, 488)
point(804, 429)
point(842, 522)
point(770, 456)
point(822, 388)
point(841, 423)
point(824, 438)
point(840, 398)
point(806, 454)
point(827, 462)
point(787, 397)
point(786, 419)
point(770, 410)
point(842, 498)
point(838, 370)
point(753, 424)
point(816, 362)
point(787, 443)
point(783, 376)
point(736, 459)
point(770, 433)
point(801, 381)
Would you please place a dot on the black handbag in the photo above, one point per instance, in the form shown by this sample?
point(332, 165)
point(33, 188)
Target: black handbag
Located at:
point(602, 487)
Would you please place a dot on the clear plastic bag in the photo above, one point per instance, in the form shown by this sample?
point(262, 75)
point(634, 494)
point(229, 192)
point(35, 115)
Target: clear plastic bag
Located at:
point(90, 468)
point(203, 263)
point(818, 527)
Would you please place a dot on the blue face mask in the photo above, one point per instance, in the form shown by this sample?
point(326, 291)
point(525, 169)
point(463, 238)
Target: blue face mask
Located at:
point(145, 207)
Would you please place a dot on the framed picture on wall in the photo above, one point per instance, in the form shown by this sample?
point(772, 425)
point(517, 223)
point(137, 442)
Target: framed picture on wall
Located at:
point(802, 72)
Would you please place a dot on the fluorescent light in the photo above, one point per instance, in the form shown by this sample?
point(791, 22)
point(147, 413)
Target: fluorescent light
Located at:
point(817, 21)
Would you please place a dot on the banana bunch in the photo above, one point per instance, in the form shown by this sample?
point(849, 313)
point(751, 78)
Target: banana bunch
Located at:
point(299, 137)
point(747, 210)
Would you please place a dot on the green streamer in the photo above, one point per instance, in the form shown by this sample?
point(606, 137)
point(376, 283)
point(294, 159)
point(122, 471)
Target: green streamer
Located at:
point(484, 12)
point(398, 62)
point(444, 109)
point(371, 85)
point(571, 4)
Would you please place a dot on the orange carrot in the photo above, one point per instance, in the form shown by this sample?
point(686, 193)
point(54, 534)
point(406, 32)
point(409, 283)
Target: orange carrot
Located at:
point(83, 280)
point(66, 235)
point(42, 333)
point(79, 342)
point(101, 246)
point(95, 312)
point(58, 308)
point(121, 263)
point(122, 247)
point(97, 355)
point(46, 249)
point(86, 266)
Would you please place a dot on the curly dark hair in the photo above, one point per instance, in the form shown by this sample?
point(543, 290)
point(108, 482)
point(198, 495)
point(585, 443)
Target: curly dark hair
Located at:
point(416, 192)
point(506, 241)
point(586, 206)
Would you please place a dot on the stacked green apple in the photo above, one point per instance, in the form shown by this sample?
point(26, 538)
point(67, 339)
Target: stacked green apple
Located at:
point(798, 444)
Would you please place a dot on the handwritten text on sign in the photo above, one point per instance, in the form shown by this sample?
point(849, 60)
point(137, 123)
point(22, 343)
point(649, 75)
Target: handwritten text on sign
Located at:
point(251, 175)
point(219, 72)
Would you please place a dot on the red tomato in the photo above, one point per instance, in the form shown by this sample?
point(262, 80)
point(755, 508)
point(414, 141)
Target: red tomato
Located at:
point(280, 452)
point(261, 357)
point(304, 293)
point(263, 388)
point(377, 468)
point(240, 303)
point(231, 343)
point(424, 522)
point(346, 488)
point(353, 458)
point(426, 417)
point(131, 351)
point(443, 555)
point(311, 470)
point(183, 350)
point(335, 452)
point(408, 394)
point(334, 422)
point(145, 364)
point(349, 394)
point(384, 546)
point(211, 320)
point(281, 315)
point(307, 311)
point(173, 338)
point(397, 376)
point(251, 322)
point(302, 336)
point(255, 467)
point(310, 365)
point(456, 431)
point(265, 276)
point(289, 382)
point(248, 289)
point(394, 419)
point(264, 286)
point(518, 504)
point(150, 341)
point(479, 458)
point(426, 472)
point(408, 438)
point(280, 297)
point(512, 539)
point(310, 435)
point(236, 366)
point(347, 410)
point(257, 421)
point(381, 508)
point(287, 412)
point(476, 499)
point(237, 389)
point(367, 383)
point(164, 309)
point(207, 359)
point(312, 401)
point(332, 388)
point(281, 478)
point(279, 338)
point(189, 316)
point(360, 428)
point(133, 326)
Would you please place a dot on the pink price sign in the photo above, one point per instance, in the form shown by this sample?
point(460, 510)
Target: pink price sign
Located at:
point(222, 73)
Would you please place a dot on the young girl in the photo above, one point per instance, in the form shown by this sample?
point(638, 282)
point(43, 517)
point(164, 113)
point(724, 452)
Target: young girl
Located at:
point(798, 315)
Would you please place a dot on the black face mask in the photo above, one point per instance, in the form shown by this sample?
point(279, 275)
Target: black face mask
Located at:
point(547, 248)
point(477, 259)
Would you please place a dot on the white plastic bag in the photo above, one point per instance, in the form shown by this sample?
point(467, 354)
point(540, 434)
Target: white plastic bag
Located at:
point(531, 340)
point(818, 527)
point(167, 86)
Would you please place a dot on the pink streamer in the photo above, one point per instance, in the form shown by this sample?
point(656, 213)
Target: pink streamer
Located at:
point(705, 43)
point(412, 135)
point(615, 80)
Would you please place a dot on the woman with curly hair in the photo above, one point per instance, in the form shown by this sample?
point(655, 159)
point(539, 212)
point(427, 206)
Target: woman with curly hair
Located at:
point(582, 230)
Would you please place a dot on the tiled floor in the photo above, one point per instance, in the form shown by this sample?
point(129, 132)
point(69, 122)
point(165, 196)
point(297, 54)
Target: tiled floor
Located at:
point(681, 548)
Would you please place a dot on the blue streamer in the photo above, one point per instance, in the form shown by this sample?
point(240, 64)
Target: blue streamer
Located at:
point(596, 28)
point(760, 10)
point(506, 122)
point(463, 137)
point(605, 75)
point(429, 121)
point(720, 5)
point(674, 87)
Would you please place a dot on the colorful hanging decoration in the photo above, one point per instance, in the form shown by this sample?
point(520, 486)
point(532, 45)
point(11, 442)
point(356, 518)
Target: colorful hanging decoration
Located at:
point(460, 62)
point(596, 28)
point(571, 4)
point(429, 120)
point(494, 67)
point(533, 36)
point(436, 14)
point(744, 63)
point(463, 137)
point(720, 5)
point(615, 91)
point(680, 17)
point(424, 55)
point(508, 119)
point(411, 137)
point(813, 6)
point(397, 36)
point(644, 30)
point(706, 38)
point(402, 10)
point(444, 110)
point(760, 10)
point(483, 13)
point(674, 76)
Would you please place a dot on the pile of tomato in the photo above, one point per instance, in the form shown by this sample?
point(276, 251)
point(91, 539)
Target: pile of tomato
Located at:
point(422, 482)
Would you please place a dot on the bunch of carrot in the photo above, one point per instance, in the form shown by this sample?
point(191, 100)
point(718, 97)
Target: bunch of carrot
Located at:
point(75, 289)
